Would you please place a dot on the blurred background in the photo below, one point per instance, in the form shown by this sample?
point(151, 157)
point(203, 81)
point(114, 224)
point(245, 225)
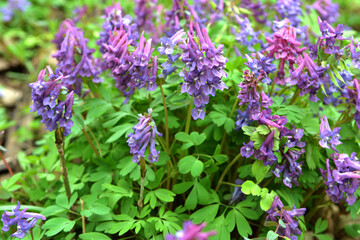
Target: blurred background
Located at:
point(26, 32)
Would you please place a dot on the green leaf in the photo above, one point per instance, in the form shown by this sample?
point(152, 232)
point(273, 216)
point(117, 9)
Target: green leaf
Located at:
point(333, 79)
point(182, 187)
point(242, 225)
point(230, 220)
point(164, 195)
point(267, 200)
point(186, 164)
point(271, 235)
point(229, 125)
point(247, 186)
point(62, 201)
point(324, 236)
point(259, 170)
point(321, 225)
point(263, 129)
point(119, 132)
point(191, 200)
point(218, 118)
point(197, 138)
point(205, 214)
point(94, 236)
point(56, 225)
point(183, 137)
point(248, 130)
point(197, 168)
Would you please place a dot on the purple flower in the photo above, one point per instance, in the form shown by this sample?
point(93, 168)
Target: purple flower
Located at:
point(191, 232)
point(277, 213)
point(247, 36)
point(205, 69)
point(13, 5)
point(114, 20)
point(290, 9)
point(130, 70)
point(257, 8)
point(75, 59)
point(78, 13)
point(308, 84)
point(249, 95)
point(205, 13)
point(344, 179)
point(24, 220)
point(329, 138)
point(173, 17)
point(237, 195)
point(46, 101)
point(328, 11)
point(247, 150)
point(285, 47)
point(242, 119)
point(144, 133)
point(260, 63)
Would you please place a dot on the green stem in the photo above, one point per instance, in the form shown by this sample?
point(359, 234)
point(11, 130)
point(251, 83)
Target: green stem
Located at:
point(226, 170)
point(166, 119)
point(96, 142)
point(272, 88)
point(32, 235)
point(296, 94)
point(82, 216)
point(90, 142)
point(59, 142)
point(142, 183)
point(188, 119)
point(232, 112)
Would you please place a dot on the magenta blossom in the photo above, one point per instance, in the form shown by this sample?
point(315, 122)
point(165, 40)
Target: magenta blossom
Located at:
point(191, 232)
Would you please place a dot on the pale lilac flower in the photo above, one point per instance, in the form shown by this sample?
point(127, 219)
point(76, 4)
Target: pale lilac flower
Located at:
point(329, 138)
point(144, 133)
point(24, 220)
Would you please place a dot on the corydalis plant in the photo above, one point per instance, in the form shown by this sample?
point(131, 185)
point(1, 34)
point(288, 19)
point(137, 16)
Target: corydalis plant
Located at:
point(46, 92)
point(343, 180)
point(144, 133)
point(277, 213)
point(114, 19)
point(133, 70)
point(204, 69)
point(75, 59)
point(24, 220)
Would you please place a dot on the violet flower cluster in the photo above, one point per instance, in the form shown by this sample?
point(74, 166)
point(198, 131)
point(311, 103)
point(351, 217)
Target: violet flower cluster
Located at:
point(354, 97)
point(249, 94)
point(310, 81)
point(328, 40)
point(343, 180)
point(75, 60)
point(257, 9)
point(290, 149)
point(130, 70)
point(290, 9)
point(247, 36)
point(47, 103)
point(191, 231)
point(11, 6)
point(289, 218)
point(205, 65)
point(114, 21)
point(284, 46)
point(173, 17)
point(205, 13)
point(329, 138)
point(144, 133)
point(167, 48)
point(24, 220)
point(260, 62)
point(145, 11)
point(327, 10)
point(331, 89)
